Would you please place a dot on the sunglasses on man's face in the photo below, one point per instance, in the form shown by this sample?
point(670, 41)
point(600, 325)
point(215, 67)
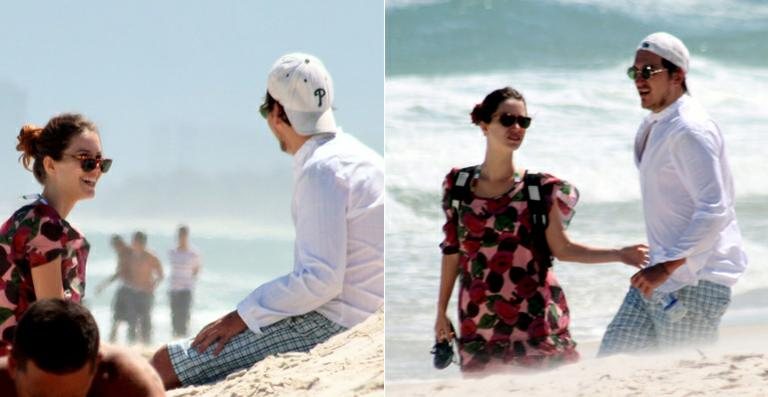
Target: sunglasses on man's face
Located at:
point(264, 110)
point(646, 72)
point(89, 164)
point(508, 120)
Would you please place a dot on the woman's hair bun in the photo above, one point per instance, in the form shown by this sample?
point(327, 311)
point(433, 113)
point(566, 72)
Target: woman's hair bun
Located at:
point(27, 145)
point(483, 112)
point(477, 114)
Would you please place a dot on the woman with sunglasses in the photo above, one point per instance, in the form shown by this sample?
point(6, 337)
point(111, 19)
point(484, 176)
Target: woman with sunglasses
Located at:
point(43, 256)
point(512, 310)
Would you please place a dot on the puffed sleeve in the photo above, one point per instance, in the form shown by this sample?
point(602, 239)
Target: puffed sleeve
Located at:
point(563, 194)
point(45, 239)
point(450, 243)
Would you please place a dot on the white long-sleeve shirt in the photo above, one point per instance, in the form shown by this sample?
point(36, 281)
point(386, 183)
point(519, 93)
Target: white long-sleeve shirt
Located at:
point(338, 214)
point(688, 196)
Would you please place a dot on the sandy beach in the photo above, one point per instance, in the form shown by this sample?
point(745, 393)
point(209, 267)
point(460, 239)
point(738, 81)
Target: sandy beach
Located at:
point(349, 364)
point(736, 366)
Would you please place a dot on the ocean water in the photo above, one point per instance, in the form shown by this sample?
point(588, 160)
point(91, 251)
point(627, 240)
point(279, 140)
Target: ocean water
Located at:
point(232, 267)
point(569, 59)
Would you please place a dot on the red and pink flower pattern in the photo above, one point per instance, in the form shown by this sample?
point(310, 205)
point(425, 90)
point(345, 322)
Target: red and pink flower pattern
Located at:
point(507, 314)
point(33, 236)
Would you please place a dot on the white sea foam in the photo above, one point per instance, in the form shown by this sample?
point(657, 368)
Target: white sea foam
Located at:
point(711, 11)
point(584, 125)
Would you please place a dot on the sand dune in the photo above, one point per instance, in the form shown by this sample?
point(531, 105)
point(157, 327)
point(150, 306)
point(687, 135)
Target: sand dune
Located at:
point(349, 364)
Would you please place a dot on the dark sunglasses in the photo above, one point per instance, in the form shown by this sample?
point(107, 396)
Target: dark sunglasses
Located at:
point(89, 164)
point(646, 72)
point(508, 120)
point(264, 110)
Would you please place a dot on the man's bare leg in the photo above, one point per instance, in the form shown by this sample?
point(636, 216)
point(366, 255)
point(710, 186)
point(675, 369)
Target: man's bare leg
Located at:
point(161, 361)
point(113, 331)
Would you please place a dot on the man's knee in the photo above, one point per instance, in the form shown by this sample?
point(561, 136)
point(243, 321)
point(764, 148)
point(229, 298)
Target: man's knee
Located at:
point(161, 361)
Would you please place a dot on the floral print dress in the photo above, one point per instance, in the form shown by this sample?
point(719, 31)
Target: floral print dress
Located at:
point(33, 236)
point(507, 314)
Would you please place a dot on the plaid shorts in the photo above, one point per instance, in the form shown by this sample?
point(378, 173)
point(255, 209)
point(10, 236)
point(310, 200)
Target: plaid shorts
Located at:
point(641, 324)
point(293, 334)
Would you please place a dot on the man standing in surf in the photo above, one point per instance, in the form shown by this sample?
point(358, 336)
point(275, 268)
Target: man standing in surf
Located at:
point(688, 203)
point(338, 213)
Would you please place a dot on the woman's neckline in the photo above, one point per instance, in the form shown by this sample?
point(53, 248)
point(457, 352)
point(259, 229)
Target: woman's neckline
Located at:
point(518, 179)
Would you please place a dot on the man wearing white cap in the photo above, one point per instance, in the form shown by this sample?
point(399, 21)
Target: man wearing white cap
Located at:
point(338, 213)
point(688, 202)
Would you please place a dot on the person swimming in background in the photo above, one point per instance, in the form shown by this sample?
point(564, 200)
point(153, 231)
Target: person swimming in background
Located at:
point(185, 266)
point(122, 303)
point(140, 272)
point(43, 255)
point(146, 273)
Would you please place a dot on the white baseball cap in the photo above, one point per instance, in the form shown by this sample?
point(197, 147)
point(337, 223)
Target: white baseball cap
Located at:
point(302, 85)
point(668, 47)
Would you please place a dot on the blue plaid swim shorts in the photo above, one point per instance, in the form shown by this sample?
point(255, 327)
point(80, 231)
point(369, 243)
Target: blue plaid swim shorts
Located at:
point(293, 334)
point(641, 324)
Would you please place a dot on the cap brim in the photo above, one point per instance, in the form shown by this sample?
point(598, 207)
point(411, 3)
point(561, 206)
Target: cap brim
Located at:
point(309, 123)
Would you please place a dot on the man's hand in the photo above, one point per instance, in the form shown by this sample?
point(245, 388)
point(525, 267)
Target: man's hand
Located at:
point(221, 330)
point(651, 277)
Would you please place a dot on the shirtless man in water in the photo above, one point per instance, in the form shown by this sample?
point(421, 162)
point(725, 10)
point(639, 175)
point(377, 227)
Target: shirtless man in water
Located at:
point(145, 274)
point(122, 303)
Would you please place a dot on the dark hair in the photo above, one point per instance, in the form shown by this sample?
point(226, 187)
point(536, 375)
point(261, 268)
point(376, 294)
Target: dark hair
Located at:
point(58, 336)
point(117, 239)
point(35, 143)
point(672, 68)
point(269, 104)
point(485, 110)
point(140, 237)
point(184, 229)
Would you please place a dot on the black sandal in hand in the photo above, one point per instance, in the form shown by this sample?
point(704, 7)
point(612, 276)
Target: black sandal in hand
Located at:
point(443, 351)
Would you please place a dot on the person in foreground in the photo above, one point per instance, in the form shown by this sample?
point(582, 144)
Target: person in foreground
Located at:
point(512, 310)
point(41, 254)
point(688, 203)
point(338, 213)
point(56, 353)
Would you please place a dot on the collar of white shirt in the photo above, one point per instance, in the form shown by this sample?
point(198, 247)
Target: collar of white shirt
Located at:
point(306, 150)
point(668, 111)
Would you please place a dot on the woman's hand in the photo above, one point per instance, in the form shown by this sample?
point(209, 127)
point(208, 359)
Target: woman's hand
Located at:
point(443, 328)
point(635, 255)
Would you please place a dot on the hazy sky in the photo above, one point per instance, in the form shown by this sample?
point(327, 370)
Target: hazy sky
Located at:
point(175, 87)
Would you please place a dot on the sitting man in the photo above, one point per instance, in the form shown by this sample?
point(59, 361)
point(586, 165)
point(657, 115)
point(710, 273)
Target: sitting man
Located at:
point(338, 213)
point(56, 353)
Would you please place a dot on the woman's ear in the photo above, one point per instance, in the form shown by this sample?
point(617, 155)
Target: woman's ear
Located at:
point(49, 165)
point(484, 127)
